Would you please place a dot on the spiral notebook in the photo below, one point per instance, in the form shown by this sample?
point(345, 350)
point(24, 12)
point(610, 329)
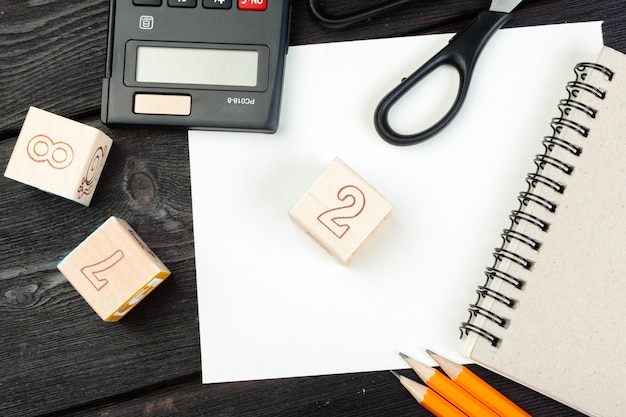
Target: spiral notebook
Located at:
point(551, 311)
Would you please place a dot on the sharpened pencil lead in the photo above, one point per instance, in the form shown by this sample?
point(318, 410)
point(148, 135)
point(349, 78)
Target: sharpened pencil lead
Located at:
point(428, 398)
point(397, 375)
point(423, 371)
point(403, 355)
point(449, 390)
point(485, 393)
point(450, 368)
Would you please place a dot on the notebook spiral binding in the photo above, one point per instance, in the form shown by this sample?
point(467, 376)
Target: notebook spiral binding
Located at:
point(501, 254)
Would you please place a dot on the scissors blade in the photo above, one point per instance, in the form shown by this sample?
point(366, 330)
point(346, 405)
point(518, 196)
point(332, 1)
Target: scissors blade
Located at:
point(504, 6)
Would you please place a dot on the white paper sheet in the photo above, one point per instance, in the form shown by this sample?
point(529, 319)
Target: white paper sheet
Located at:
point(272, 302)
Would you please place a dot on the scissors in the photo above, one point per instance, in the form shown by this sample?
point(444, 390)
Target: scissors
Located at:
point(461, 53)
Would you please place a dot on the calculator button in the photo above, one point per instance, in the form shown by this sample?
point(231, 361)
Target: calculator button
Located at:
point(252, 4)
point(164, 104)
point(182, 3)
point(147, 2)
point(217, 4)
point(146, 22)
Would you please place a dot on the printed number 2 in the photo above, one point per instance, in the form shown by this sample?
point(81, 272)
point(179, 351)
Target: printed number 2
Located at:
point(334, 219)
point(91, 271)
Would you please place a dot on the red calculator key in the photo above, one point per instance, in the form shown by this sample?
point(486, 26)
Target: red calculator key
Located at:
point(252, 4)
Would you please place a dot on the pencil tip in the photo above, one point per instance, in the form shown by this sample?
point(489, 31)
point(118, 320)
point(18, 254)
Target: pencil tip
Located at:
point(397, 375)
point(431, 353)
point(403, 355)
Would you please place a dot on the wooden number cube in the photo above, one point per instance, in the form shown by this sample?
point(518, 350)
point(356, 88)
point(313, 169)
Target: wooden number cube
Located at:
point(59, 155)
point(340, 210)
point(113, 269)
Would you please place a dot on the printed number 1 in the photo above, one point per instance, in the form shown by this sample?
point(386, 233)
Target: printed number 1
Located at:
point(334, 219)
point(91, 271)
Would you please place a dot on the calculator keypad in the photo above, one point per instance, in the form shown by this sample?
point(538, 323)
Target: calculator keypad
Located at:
point(253, 5)
point(182, 3)
point(147, 2)
point(259, 5)
point(217, 4)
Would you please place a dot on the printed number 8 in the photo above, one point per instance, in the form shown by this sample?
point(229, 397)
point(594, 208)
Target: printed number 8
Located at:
point(43, 149)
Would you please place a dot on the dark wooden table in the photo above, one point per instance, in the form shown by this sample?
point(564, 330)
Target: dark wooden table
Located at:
point(56, 356)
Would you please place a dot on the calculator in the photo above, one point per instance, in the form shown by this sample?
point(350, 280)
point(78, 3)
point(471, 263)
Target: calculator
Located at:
point(199, 64)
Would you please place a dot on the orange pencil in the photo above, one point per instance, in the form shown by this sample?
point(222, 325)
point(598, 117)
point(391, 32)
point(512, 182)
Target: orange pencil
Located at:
point(478, 388)
point(449, 390)
point(429, 399)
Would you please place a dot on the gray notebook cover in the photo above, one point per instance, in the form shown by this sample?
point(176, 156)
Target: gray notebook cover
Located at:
point(565, 333)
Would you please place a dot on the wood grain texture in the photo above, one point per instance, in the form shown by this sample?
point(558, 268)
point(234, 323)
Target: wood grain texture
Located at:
point(56, 351)
point(54, 50)
point(58, 357)
point(356, 395)
point(52, 57)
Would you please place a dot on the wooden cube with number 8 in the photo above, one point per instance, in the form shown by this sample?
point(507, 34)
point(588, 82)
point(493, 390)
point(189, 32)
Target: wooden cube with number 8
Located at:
point(341, 210)
point(59, 155)
point(113, 269)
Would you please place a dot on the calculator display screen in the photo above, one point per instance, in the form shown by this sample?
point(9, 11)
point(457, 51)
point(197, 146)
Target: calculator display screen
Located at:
point(171, 65)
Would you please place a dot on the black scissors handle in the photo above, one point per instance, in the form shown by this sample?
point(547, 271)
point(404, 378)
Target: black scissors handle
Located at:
point(461, 53)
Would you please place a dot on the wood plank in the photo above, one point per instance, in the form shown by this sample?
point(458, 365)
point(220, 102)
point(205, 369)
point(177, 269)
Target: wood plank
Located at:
point(56, 353)
point(354, 395)
point(53, 55)
point(56, 350)
point(54, 51)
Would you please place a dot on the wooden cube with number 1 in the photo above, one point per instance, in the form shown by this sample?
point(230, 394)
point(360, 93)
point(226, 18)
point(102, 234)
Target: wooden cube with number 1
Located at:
point(59, 155)
point(113, 269)
point(341, 211)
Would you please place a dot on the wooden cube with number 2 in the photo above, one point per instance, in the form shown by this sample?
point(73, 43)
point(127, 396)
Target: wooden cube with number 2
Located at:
point(113, 269)
point(59, 155)
point(341, 211)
